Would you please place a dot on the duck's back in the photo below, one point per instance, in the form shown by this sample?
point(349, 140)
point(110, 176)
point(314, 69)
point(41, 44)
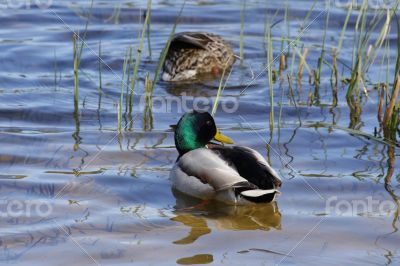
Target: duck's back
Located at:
point(194, 53)
point(249, 164)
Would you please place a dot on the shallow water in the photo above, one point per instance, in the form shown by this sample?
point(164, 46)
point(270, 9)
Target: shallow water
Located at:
point(71, 185)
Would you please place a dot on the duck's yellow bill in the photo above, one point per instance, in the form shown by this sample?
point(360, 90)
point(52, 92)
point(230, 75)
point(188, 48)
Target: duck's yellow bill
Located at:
point(222, 138)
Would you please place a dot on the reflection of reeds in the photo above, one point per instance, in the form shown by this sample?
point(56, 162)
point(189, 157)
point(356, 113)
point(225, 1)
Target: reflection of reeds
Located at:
point(353, 132)
point(388, 179)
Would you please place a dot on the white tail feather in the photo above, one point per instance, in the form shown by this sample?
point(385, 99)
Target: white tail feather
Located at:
point(254, 193)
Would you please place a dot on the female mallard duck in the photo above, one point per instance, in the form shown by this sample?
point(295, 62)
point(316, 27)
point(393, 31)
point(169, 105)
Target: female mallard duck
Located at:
point(232, 174)
point(194, 53)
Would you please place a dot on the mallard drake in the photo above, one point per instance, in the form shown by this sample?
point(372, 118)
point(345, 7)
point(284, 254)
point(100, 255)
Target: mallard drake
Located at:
point(206, 170)
point(194, 53)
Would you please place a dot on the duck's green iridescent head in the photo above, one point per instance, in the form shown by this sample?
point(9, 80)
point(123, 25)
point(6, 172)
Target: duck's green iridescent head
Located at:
point(194, 130)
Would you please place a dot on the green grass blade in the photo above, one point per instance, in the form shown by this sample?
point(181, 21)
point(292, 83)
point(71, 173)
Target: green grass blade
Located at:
point(165, 51)
point(344, 27)
point(140, 47)
point(241, 44)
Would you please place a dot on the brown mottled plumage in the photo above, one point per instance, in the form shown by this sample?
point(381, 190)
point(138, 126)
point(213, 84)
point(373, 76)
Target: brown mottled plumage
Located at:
point(194, 53)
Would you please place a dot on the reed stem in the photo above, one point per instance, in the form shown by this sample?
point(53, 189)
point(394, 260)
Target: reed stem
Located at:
point(165, 51)
point(138, 55)
point(270, 80)
point(241, 44)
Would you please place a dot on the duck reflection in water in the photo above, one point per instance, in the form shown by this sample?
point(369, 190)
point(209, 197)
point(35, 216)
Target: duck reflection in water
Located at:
point(222, 217)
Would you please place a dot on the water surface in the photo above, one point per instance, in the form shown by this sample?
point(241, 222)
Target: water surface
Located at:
point(105, 198)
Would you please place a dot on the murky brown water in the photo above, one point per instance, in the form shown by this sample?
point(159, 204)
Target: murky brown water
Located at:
point(334, 208)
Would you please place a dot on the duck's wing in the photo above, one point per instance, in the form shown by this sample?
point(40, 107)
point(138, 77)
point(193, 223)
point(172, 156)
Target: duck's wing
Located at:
point(194, 40)
point(208, 167)
point(250, 165)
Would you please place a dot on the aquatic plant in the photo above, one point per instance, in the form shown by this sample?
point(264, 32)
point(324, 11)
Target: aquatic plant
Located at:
point(120, 104)
point(270, 61)
point(76, 69)
point(322, 56)
point(363, 53)
point(241, 42)
point(166, 48)
point(138, 54)
point(391, 118)
point(148, 110)
point(221, 87)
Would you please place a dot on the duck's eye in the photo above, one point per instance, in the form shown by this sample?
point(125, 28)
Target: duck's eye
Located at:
point(209, 123)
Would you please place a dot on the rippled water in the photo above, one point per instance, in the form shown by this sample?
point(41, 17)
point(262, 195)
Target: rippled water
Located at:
point(73, 191)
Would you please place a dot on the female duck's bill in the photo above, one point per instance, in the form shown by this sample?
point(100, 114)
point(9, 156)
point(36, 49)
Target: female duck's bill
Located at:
point(205, 170)
point(194, 53)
